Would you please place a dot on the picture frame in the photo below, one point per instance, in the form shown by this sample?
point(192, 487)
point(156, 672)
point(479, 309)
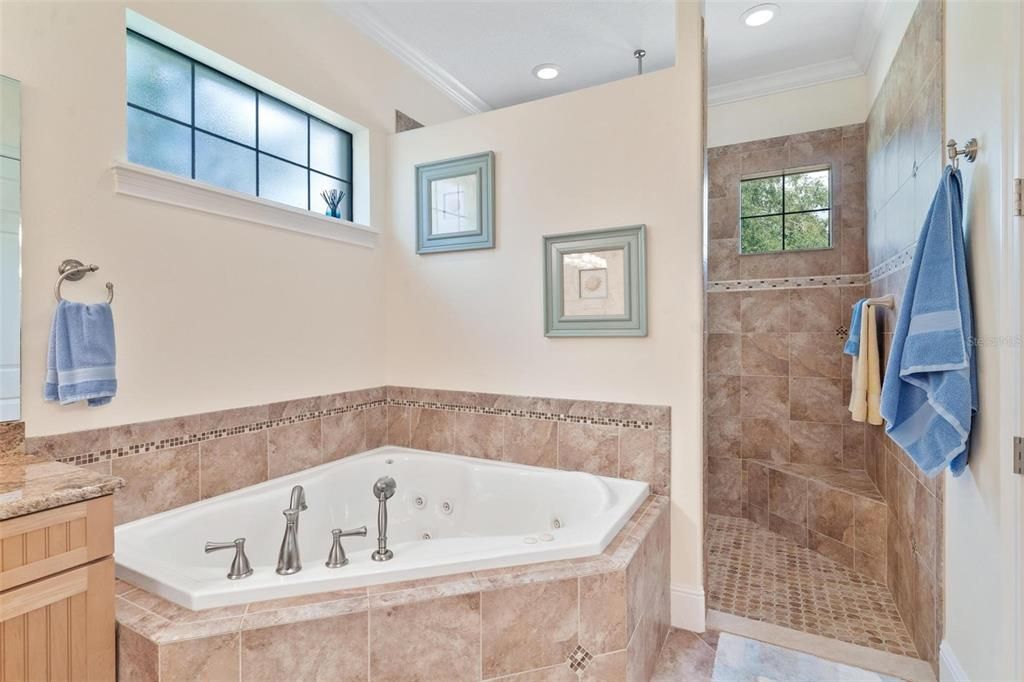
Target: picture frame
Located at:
point(595, 283)
point(455, 204)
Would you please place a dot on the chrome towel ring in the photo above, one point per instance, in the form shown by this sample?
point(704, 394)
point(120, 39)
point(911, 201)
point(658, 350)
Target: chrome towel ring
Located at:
point(75, 270)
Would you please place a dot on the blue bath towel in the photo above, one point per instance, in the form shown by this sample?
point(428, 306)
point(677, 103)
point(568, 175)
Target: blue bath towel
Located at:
point(930, 394)
point(80, 362)
point(852, 346)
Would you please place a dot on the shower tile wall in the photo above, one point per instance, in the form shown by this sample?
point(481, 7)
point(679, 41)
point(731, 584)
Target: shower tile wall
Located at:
point(904, 163)
point(776, 379)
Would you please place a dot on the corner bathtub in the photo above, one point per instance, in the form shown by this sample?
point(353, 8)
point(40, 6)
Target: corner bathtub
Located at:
point(498, 514)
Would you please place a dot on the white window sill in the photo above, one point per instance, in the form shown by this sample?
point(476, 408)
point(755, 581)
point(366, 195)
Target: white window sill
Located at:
point(139, 181)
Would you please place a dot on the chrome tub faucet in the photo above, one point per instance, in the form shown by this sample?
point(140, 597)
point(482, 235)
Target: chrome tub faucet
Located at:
point(383, 489)
point(240, 567)
point(288, 561)
point(336, 558)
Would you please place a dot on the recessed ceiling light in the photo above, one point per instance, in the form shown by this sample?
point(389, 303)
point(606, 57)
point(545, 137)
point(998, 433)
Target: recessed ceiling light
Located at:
point(759, 15)
point(546, 72)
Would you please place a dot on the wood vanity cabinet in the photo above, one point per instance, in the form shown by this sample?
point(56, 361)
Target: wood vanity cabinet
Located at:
point(57, 594)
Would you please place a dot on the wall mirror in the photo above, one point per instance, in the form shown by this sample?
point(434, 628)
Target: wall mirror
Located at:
point(10, 249)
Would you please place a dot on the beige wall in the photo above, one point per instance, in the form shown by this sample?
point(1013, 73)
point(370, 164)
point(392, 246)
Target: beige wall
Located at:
point(826, 105)
point(623, 153)
point(210, 312)
point(983, 507)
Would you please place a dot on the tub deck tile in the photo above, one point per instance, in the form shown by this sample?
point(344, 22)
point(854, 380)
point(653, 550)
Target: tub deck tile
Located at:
point(356, 603)
point(437, 590)
point(495, 632)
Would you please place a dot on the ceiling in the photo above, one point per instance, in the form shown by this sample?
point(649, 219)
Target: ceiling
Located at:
point(808, 41)
point(482, 53)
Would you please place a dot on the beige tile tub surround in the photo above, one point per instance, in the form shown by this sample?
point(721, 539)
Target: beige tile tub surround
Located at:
point(905, 157)
point(173, 462)
point(599, 619)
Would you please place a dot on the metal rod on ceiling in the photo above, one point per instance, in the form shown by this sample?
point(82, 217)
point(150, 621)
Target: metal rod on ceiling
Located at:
point(639, 56)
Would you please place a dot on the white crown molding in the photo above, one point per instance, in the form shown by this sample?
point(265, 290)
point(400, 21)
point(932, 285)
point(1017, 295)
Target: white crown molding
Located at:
point(146, 183)
point(363, 18)
point(869, 32)
point(783, 81)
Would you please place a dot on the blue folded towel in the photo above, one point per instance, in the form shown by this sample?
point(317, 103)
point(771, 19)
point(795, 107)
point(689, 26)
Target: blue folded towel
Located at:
point(80, 362)
point(930, 394)
point(852, 346)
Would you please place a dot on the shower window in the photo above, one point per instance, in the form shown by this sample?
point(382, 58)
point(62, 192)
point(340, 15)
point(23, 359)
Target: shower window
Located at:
point(190, 120)
point(789, 211)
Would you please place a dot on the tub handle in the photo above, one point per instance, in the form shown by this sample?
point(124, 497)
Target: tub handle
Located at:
point(337, 558)
point(240, 567)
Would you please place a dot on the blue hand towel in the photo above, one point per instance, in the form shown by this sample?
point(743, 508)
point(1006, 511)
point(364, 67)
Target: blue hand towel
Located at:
point(930, 395)
point(80, 362)
point(852, 346)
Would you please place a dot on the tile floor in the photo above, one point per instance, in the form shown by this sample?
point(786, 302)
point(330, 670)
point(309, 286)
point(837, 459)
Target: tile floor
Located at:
point(725, 657)
point(763, 576)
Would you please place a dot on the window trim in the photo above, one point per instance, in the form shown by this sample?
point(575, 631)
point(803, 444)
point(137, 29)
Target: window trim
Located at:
point(132, 179)
point(360, 157)
point(798, 170)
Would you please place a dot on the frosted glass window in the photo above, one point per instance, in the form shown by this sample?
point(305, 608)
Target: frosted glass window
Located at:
point(159, 79)
point(159, 143)
point(225, 164)
point(241, 138)
point(225, 107)
point(318, 183)
point(284, 131)
point(284, 182)
point(330, 150)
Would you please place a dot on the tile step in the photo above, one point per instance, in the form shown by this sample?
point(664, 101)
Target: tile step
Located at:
point(853, 481)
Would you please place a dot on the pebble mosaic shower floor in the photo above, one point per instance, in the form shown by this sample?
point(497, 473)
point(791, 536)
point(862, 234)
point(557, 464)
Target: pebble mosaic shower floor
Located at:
point(763, 576)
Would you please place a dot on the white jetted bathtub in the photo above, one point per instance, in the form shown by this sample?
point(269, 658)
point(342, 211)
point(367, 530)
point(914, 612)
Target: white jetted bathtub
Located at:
point(450, 514)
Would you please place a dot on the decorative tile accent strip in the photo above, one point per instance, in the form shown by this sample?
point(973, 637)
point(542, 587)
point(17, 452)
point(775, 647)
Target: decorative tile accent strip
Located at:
point(897, 262)
point(624, 415)
point(544, 416)
point(788, 283)
point(189, 439)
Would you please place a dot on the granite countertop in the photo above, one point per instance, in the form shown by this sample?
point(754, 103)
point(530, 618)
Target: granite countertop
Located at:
point(32, 483)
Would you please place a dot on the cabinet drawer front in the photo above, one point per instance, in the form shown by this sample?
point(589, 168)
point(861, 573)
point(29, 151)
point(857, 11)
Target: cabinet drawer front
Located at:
point(47, 542)
point(60, 628)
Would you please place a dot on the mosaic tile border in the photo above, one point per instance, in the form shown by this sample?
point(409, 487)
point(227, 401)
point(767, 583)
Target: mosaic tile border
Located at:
point(787, 283)
point(529, 414)
point(212, 434)
point(564, 416)
point(897, 262)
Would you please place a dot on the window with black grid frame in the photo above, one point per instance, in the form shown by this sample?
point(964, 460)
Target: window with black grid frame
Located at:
point(786, 211)
point(188, 119)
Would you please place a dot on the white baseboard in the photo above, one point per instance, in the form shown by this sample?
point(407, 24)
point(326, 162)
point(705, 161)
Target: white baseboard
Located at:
point(950, 669)
point(687, 602)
